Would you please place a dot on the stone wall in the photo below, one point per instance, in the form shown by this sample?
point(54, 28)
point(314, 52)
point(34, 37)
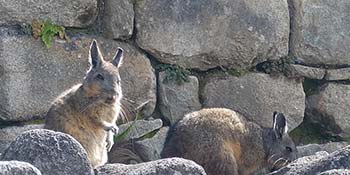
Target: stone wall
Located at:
point(255, 57)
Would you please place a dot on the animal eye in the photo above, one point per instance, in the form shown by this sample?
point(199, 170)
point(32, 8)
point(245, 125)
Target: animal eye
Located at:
point(100, 77)
point(289, 149)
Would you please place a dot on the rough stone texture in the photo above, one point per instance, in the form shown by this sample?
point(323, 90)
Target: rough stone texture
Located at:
point(257, 96)
point(32, 76)
point(338, 74)
point(307, 72)
point(9, 134)
point(209, 33)
point(70, 13)
point(171, 166)
point(311, 149)
point(175, 99)
point(155, 144)
point(320, 31)
point(17, 168)
point(141, 128)
point(330, 107)
point(118, 19)
point(51, 152)
point(318, 163)
point(337, 172)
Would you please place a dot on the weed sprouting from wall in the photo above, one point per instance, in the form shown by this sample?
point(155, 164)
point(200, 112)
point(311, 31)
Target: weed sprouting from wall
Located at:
point(47, 31)
point(174, 73)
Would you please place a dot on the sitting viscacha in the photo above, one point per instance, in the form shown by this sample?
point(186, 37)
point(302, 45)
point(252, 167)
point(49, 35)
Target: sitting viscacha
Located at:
point(225, 143)
point(88, 111)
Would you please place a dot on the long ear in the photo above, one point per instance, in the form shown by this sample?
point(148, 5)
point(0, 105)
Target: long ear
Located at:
point(279, 124)
point(95, 57)
point(118, 57)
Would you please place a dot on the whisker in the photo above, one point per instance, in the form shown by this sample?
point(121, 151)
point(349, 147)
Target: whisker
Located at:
point(277, 161)
point(269, 159)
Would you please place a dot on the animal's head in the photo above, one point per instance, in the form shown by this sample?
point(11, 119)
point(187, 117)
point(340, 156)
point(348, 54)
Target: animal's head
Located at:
point(102, 81)
point(281, 149)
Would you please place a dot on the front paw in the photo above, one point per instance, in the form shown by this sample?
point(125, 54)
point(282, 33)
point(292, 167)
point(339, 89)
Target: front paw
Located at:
point(112, 128)
point(110, 140)
point(115, 130)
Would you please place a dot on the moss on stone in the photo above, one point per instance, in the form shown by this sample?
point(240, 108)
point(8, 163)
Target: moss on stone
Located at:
point(309, 132)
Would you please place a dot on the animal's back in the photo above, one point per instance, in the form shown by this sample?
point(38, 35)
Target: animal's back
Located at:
point(215, 138)
point(62, 111)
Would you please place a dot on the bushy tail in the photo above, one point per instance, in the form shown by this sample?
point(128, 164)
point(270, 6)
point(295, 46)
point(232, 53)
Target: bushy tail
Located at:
point(128, 152)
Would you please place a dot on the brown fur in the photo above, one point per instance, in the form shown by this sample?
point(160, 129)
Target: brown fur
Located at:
point(128, 152)
point(223, 142)
point(88, 111)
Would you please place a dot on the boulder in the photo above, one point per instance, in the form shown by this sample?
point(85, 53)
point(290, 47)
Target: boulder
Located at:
point(338, 74)
point(330, 108)
point(320, 31)
point(17, 167)
point(171, 166)
point(69, 13)
point(140, 128)
point(307, 72)
point(336, 172)
point(317, 164)
point(33, 76)
point(257, 96)
point(118, 19)
point(53, 153)
point(155, 144)
point(9, 134)
point(210, 33)
point(311, 149)
point(175, 99)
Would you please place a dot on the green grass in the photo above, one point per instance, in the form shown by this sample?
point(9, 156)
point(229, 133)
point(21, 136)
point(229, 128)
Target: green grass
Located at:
point(126, 132)
point(309, 132)
point(149, 135)
point(174, 73)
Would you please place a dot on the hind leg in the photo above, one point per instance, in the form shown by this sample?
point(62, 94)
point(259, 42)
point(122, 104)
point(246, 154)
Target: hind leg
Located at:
point(224, 164)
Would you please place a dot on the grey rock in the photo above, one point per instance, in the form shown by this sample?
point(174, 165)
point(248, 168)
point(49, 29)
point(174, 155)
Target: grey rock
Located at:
point(9, 134)
point(171, 166)
point(338, 74)
point(118, 19)
point(307, 72)
point(17, 167)
point(210, 33)
point(257, 96)
point(178, 99)
point(140, 128)
point(308, 150)
point(70, 13)
point(330, 107)
point(311, 149)
point(33, 76)
point(155, 144)
point(53, 153)
point(318, 163)
point(334, 146)
point(336, 172)
point(320, 31)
